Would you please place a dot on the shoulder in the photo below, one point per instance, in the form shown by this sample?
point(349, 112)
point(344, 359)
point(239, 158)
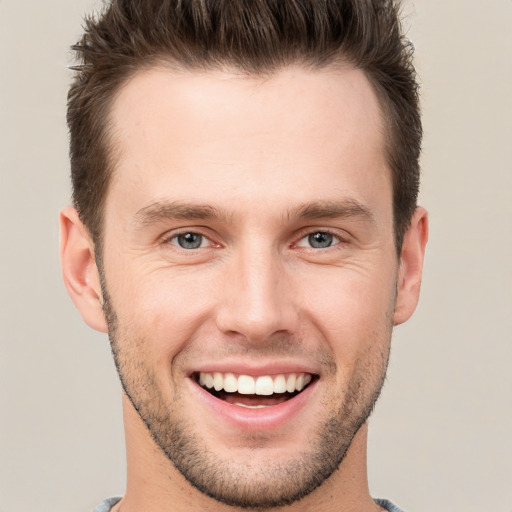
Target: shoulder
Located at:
point(387, 505)
point(106, 505)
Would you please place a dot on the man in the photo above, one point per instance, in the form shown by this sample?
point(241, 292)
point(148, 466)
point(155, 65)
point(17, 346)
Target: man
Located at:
point(245, 229)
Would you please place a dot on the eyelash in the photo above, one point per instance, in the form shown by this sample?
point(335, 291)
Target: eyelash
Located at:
point(336, 236)
point(337, 239)
point(175, 236)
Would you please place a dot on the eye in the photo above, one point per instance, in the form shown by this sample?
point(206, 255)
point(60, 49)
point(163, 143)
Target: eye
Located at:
point(189, 240)
point(319, 240)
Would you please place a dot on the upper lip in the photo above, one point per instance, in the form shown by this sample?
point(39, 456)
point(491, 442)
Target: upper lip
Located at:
point(254, 369)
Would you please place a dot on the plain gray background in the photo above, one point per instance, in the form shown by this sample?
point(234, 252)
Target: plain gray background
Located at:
point(441, 437)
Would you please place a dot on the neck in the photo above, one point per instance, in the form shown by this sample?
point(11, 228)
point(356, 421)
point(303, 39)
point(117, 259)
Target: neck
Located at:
point(153, 483)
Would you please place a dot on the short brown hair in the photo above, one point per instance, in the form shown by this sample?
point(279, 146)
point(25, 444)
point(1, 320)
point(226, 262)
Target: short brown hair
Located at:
point(254, 36)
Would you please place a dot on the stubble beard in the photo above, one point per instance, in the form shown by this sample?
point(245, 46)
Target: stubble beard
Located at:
point(244, 485)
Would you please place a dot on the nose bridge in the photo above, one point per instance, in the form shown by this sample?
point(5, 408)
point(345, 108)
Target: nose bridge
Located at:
point(257, 296)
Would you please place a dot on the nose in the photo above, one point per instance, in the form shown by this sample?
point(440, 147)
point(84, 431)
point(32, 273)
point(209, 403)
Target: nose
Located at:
point(257, 299)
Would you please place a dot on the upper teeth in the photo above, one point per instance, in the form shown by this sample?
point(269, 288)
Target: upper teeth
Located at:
point(247, 385)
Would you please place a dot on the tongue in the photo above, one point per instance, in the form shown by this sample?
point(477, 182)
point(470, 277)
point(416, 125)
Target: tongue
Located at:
point(254, 400)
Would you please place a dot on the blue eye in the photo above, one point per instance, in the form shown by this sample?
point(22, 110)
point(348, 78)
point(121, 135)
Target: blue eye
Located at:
point(320, 240)
point(189, 240)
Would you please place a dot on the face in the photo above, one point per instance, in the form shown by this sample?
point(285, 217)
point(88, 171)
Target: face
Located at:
point(249, 272)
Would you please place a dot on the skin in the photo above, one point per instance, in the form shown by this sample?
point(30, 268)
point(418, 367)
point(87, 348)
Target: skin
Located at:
point(276, 159)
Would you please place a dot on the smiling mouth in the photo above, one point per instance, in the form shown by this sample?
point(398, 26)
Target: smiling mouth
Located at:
point(254, 392)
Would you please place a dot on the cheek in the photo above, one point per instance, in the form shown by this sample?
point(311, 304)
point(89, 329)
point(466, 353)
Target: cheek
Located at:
point(164, 310)
point(353, 314)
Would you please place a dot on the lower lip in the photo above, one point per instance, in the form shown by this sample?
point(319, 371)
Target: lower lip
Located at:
point(265, 418)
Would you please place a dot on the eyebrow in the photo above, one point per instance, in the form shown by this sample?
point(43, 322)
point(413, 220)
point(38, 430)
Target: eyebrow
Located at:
point(347, 208)
point(161, 211)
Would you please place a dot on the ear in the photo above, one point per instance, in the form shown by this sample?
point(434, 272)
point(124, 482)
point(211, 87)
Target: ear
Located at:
point(411, 266)
point(79, 270)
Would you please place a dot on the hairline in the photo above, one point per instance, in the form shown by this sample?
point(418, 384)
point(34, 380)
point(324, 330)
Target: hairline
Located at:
point(111, 144)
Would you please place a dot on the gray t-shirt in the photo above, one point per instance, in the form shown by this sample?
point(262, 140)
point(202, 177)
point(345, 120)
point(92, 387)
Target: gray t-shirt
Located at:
point(106, 505)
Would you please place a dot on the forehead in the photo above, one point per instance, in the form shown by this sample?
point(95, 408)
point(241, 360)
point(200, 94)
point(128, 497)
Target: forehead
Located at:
point(223, 135)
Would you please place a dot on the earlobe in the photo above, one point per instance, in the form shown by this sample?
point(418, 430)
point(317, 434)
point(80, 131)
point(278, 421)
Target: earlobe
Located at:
point(81, 276)
point(411, 266)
